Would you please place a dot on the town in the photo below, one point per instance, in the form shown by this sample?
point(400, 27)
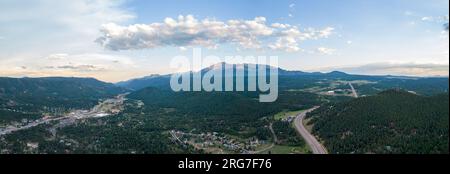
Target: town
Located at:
point(106, 108)
point(217, 143)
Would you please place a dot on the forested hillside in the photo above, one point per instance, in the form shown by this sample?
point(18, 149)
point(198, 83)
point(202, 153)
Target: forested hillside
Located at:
point(393, 121)
point(234, 113)
point(67, 92)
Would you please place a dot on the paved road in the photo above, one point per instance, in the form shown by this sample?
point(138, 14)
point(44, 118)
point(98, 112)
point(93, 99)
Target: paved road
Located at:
point(34, 124)
point(315, 146)
point(275, 140)
point(355, 94)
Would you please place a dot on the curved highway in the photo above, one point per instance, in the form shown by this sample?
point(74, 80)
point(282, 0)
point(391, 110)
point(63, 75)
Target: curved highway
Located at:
point(315, 145)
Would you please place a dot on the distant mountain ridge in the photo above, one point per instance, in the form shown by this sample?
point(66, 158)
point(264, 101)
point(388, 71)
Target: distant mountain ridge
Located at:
point(292, 80)
point(162, 81)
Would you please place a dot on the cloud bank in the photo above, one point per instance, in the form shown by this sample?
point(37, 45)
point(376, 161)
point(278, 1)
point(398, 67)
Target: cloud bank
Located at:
point(408, 69)
point(188, 31)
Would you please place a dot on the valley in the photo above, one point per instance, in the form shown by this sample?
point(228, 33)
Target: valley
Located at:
point(143, 116)
point(106, 108)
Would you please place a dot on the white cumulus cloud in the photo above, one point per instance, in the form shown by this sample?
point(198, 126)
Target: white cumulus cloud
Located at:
point(188, 31)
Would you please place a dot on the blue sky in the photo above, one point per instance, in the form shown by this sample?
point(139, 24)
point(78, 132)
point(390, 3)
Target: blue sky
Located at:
point(401, 37)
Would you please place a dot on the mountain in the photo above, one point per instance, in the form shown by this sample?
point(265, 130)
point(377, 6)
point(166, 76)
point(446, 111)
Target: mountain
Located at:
point(162, 81)
point(392, 121)
point(299, 80)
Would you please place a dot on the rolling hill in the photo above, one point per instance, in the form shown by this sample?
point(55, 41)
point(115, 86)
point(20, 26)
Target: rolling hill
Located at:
point(392, 121)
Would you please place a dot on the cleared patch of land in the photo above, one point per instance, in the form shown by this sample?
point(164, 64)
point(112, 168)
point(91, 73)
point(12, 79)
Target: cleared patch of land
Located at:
point(278, 149)
point(286, 114)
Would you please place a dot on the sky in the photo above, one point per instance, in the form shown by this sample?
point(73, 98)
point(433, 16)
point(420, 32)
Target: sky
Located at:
point(116, 40)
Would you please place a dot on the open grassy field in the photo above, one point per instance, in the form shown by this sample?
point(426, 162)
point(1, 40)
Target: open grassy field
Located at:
point(287, 150)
